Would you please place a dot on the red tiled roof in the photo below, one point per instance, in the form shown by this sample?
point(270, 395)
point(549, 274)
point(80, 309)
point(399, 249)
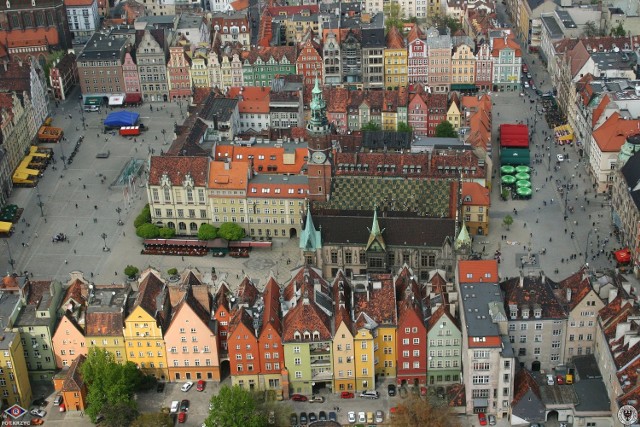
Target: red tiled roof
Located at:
point(534, 293)
point(71, 3)
point(379, 304)
point(241, 318)
point(522, 383)
point(579, 285)
point(597, 112)
point(457, 396)
point(271, 314)
point(415, 33)
point(278, 190)
point(383, 158)
point(73, 380)
point(247, 292)
point(104, 324)
point(262, 156)
point(221, 298)
point(251, 99)
point(614, 132)
point(499, 44)
point(148, 292)
point(32, 37)
point(177, 167)
point(394, 39)
point(306, 317)
point(478, 271)
point(478, 195)
point(266, 53)
point(78, 291)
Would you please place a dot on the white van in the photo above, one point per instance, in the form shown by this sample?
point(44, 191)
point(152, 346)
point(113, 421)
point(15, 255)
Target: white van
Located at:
point(369, 394)
point(175, 405)
point(91, 108)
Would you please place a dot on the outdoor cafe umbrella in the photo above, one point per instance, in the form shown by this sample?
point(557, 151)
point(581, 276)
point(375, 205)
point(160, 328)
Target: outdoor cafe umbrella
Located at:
point(507, 170)
point(508, 179)
point(523, 169)
point(523, 184)
point(523, 176)
point(524, 192)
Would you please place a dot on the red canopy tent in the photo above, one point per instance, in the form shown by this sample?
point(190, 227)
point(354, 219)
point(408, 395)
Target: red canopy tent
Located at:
point(623, 256)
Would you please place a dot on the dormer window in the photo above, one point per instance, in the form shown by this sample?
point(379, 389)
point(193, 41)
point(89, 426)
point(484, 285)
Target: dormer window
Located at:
point(513, 312)
point(467, 199)
point(525, 313)
point(296, 336)
point(316, 335)
point(537, 313)
point(307, 335)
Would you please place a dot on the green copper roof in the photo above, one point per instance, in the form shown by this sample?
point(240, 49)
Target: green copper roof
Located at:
point(376, 242)
point(310, 238)
point(463, 239)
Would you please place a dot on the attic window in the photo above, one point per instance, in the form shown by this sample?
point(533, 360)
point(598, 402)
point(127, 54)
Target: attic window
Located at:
point(487, 275)
point(307, 335)
point(469, 276)
point(525, 313)
point(537, 313)
point(316, 335)
point(513, 313)
point(467, 198)
point(296, 335)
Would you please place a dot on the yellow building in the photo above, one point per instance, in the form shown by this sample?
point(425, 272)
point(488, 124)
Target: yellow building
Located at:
point(14, 377)
point(343, 353)
point(297, 25)
point(144, 326)
point(385, 353)
point(463, 68)
point(454, 114)
point(365, 356)
point(199, 70)
point(104, 320)
point(475, 208)
point(395, 60)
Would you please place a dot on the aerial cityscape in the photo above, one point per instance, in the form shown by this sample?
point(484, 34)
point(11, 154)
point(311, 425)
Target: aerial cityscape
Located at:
point(291, 213)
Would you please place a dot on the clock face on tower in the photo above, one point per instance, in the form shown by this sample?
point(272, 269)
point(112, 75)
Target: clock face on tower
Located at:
point(318, 157)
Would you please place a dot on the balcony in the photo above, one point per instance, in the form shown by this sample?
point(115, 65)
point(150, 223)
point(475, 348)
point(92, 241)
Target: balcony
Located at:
point(321, 375)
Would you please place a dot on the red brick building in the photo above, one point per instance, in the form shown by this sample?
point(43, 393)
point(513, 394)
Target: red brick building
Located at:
point(222, 315)
point(63, 76)
point(309, 62)
point(178, 73)
point(271, 350)
point(245, 354)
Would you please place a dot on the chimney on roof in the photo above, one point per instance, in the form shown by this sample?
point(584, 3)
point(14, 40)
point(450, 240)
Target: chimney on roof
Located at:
point(305, 297)
point(521, 279)
point(543, 277)
point(568, 294)
point(227, 165)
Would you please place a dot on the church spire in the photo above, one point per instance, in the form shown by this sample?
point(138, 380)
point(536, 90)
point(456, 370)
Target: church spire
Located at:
point(463, 241)
point(310, 238)
point(318, 123)
point(376, 241)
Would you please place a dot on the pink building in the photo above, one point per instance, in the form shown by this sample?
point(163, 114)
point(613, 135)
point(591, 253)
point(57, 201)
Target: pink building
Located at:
point(178, 73)
point(68, 341)
point(131, 78)
point(417, 115)
point(484, 67)
point(191, 343)
point(418, 67)
point(270, 339)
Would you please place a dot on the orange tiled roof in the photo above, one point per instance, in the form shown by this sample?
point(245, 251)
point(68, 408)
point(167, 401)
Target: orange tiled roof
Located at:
point(251, 99)
point(239, 4)
point(378, 304)
point(478, 194)
point(232, 175)
point(394, 39)
point(613, 133)
point(499, 44)
point(478, 271)
point(31, 37)
point(278, 190)
point(262, 156)
point(415, 33)
point(71, 3)
point(177, 167)
point(271, 314)
point(101, 323)
point(597, 112)
point(579, 285)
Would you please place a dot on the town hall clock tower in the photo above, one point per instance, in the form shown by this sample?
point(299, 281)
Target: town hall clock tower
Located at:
point(319, 143)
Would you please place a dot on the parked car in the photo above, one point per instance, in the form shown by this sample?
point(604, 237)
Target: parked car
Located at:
point(370, 417)
point(186, 386)
point(362, 417)
point(303, 418)
point(312, 417)
point(379, 417)
point(391, 389)
point(482, 418)
point(351, 416)
point(182, 417)
point(550, 380)
point(560, 158)
point(316, 399)
point(175, 406)
point(370, 394)
point(322, 416)
point(58, 400)
point(299, 398)
point(184, 405)
point(393, 410)
point(559, 379)
point(293, 419)
point(271, 420)
point(38, 412)
point(492, 420)
point(333, 416)
point(200, 386)
point(347, 395)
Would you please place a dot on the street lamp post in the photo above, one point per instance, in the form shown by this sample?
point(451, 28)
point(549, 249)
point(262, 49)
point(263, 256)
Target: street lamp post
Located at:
point(63, 158)
point(586, 249)
point(119, 209)
point(104, 238)
point(164, 136)
point(12, 262)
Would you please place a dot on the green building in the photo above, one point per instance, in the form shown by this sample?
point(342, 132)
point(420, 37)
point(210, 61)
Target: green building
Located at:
point(444, 340)
point(261, 65)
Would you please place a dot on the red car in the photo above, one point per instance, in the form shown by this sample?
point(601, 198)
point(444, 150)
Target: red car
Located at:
point(482, 418)
point(559, 379)
point(347, 395)
point(298, 398)
point(200, 386)
point(393, 410)
point(182, 417)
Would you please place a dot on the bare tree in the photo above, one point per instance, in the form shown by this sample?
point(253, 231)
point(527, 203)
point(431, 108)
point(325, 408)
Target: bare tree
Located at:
point(416, 411)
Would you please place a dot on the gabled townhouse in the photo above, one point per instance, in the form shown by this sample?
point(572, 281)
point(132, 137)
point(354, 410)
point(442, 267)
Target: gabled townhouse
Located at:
point(537, 321)
point(351, 58)
point(463, 66)
point(412, 332)
point(190, 340)
point(178, 73)
point(345, 357)
point(244, 349)
point(261, 65)
point(490, 360)
point(506, 57)
point(253, 106)
point(270, 339)
point(454, 113)
point(484, 67)
point(131, 78)
point(232, 27)
point(582, 304)
point(68, 341)
point(71, 386)
point(176, 191)
point(478, 118)
point(439, 56)
point(199, 71)
point(152, 52)
point(417, 60)
point(307, 337)
point(144, 327)
point(222, 315)
point(309, 61)
point(106, 312)
point(426, 111)
point(394, 108)
point(375, 309)
point(395, 60)
point(475, 206)
point(624, 197)
point(443, 332)
point(332, 57)
point(91, 64)
point(527, 405)
point(373, 58)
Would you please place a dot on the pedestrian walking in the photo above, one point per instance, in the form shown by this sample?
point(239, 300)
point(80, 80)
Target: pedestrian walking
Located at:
point(66, 262)
point(36, 234)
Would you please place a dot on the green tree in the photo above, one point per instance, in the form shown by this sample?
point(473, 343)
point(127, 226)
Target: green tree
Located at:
point(172, 271)
point(445, 130)
point(110, 384)
point(404, 127)
point(155, 419)
point(207, 232)
point(120, 414)
point(144, 216)
point(231, 231)
point(505, 193)
point(148, 231)
point(507, 221)
point(618, 31)
point(414, 411)
point(131, 271)
point(371, 126)
point(591, 29)
point(393, 16)
point(235, 407)
point(167, 233)
point(53, 57)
